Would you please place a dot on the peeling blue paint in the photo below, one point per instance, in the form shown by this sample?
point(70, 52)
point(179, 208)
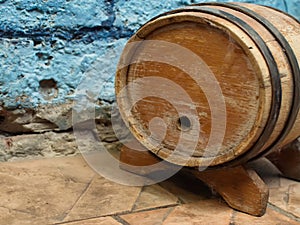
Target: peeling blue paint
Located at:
point(293, 7)
point(60, 40)
point(133, 14)
point(25, 15)
point(24, 65)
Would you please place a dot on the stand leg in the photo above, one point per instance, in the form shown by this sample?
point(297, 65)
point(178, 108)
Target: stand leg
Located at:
point(136, 159)
point(287, 160)
point(242, 189)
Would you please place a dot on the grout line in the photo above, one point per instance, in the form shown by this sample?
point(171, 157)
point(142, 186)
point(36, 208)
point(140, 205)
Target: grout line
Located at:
point(287, 200)
point(79, 198)
point(180, 200)
point(138, 197)
point(16, 210)
point(117, 214)
point(167, 215)
point(120, 220)
point(232, 218)
point(152, 209)
point(283, 212)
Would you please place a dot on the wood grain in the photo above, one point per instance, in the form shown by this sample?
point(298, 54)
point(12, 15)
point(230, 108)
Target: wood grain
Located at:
point(239, 68)
point(287, 160)
point(241, 188)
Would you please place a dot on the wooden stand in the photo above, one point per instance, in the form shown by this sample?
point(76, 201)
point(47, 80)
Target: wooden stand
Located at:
point(240, 187)
point(287, 160)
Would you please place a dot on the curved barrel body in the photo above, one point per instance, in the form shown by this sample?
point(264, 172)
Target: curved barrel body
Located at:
point(212, 84)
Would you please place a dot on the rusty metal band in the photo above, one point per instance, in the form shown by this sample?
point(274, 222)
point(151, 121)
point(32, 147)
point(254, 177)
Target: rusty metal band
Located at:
point(293, 62)
point(274, 76)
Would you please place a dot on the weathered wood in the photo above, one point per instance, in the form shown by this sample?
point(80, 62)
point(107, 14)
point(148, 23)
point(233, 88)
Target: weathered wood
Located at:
point(287, 160)
point(136, 159)
point(240, 69)
point(137, 155)
point(253, 58)
point(242, 189)
point(290, 29)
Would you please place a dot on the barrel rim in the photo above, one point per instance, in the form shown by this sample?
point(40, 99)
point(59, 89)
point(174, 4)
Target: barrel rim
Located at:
point(293, 62)
point(150, 148)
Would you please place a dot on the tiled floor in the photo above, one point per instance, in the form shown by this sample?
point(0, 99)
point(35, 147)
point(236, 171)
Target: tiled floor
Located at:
point(67, 191)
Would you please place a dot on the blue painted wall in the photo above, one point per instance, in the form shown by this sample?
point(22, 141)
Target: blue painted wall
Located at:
point(47, 46)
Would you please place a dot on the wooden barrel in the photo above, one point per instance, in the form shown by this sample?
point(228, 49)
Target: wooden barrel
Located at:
point(252, 51)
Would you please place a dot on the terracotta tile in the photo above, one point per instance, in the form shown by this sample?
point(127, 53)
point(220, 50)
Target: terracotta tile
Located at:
point(285, 182)
point(287, 197)
point(14, 217)
point(279, 197)
point(154, 217)
point(294, 200)
point(154, 196)
point(270, 218)
point(208, 212)
point(102, 198)
point(42, 190)
point(187, 188)
point(98, 221)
